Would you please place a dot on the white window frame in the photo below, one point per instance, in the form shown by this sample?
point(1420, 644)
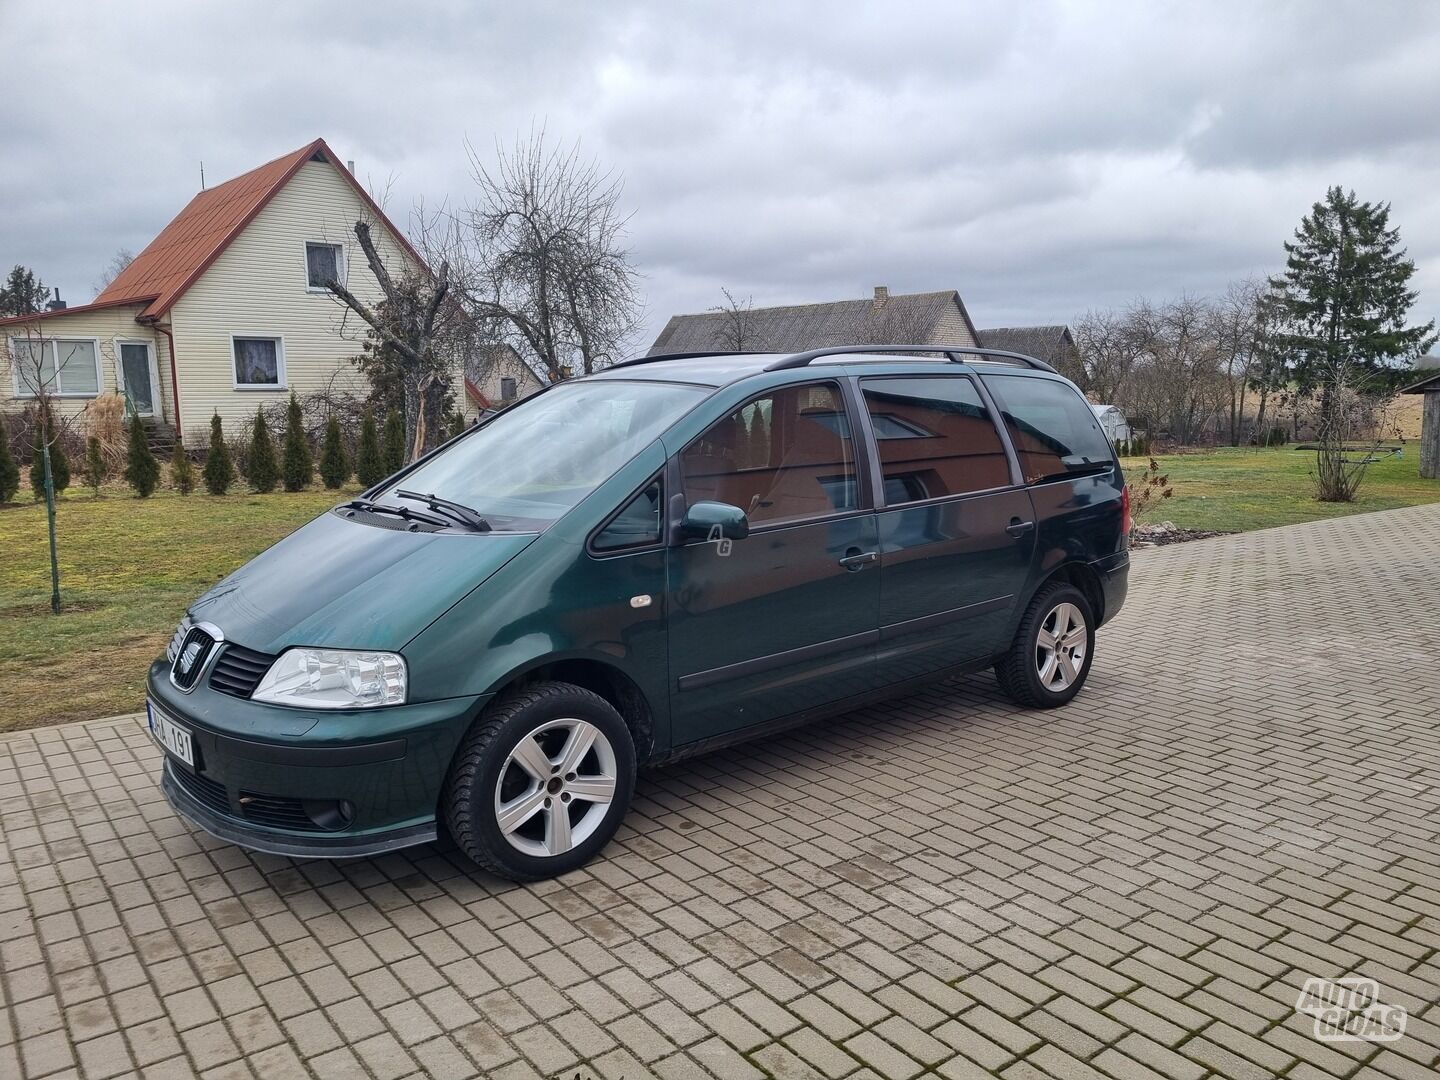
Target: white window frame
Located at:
point(341, 267)
point(155, 406)
point(53, 342)
point(279, 339)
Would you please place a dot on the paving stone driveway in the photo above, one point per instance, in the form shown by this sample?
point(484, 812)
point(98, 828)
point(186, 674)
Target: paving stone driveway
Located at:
point(1246, 794)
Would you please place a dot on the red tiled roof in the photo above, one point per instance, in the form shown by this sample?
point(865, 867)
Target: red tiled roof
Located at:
point(475, 394)
point(186, 247)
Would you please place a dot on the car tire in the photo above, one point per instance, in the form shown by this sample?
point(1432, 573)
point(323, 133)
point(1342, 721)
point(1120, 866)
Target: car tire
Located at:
point(517, 823)
point(1039, 671)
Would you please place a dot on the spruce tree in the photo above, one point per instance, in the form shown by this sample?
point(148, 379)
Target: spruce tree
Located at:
point(299, 463)
point(369, 465)
point(457, 423)
point(394, 442)
point(9, 471)
point(142, 471)
point(94, 464)
point(59, 463)
point(182, 470)
point(334, 469)
point(263, 470)
point(219, 472)
point(1341, 307)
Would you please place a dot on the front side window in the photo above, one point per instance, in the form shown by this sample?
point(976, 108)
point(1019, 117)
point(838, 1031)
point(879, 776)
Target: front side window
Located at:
point(259, 362)
point(69, 368)
point(786, 456)
point(1053, 428)
point(322, 264)
point(935, 438)
point(636, 525)
point(530, 464)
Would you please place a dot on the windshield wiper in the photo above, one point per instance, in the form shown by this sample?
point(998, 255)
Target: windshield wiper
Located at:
point(399, 511)
point(465, 515)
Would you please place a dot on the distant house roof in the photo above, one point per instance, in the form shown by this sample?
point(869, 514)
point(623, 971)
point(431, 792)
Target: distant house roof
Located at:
point(1053, 344)
point(811, 326)
point(1424, 386)
point(185, 248)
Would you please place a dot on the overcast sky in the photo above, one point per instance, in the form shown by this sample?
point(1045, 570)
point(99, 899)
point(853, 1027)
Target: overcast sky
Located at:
point(1040, 158)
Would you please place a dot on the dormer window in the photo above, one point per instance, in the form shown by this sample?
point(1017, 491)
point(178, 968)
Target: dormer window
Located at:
point(324, 263)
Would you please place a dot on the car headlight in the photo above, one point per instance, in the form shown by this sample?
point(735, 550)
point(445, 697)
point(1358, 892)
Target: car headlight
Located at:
point(334, 679)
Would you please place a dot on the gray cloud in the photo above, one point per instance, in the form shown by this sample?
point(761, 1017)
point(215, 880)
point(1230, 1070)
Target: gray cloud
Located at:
point(1041, 158)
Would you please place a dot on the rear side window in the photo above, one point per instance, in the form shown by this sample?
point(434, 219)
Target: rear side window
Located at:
point(1054, 431)
point(935, 438)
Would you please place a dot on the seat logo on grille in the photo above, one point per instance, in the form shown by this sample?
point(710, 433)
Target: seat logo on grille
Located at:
point(188, 656)
point(199, 644)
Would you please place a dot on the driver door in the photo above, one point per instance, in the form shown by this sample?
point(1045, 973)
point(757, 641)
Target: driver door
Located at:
point(786, 619)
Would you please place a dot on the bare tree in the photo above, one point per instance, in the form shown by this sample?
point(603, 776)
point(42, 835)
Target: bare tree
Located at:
point(1236, 327)
point(1110, 344)
point(411, 328)
point(37, 362)
point(738, 332)
point(121, 259)
point(540, 256)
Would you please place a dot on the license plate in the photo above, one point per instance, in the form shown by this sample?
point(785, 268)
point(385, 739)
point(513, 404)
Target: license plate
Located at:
point(170, 735)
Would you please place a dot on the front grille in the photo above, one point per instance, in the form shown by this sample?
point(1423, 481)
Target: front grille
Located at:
point(194, 651)
point(205, 790)
point(238, 670)
point(275, 812)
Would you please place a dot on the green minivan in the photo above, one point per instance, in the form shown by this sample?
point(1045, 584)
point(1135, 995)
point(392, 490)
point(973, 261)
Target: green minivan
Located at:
point(670, 555)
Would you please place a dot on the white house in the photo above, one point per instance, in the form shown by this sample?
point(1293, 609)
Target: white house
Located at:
point(224, 310)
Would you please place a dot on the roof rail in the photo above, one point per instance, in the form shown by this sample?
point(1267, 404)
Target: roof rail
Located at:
point(678, 356)
point(954, 352)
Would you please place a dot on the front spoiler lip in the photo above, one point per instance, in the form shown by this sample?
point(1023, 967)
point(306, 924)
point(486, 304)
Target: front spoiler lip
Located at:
point(271, 842)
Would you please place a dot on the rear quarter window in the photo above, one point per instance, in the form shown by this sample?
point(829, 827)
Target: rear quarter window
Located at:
point(1053, 428)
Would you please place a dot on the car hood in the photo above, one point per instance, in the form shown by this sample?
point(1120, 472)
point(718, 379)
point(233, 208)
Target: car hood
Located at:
point(342, 584)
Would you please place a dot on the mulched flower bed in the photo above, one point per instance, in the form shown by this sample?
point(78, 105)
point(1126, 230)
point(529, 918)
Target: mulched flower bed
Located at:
point(1167, 532)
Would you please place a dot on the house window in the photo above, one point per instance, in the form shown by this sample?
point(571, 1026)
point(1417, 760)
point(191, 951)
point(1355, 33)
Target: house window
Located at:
point(259, 362)
point(324, 263)
point(59, 366)
point(507, 388)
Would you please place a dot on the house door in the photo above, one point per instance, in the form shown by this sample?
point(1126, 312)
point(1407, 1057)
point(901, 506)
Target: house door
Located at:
point(137, 376)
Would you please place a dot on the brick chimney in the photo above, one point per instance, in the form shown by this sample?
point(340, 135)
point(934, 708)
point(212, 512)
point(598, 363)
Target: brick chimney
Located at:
point(882, 293)
point(57, 304)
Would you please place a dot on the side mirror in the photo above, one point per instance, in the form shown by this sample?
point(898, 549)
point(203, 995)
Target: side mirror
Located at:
point(715, 521)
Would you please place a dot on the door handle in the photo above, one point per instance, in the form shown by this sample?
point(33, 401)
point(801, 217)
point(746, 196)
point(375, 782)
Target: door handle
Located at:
point(1018, 528)
point(855, 559)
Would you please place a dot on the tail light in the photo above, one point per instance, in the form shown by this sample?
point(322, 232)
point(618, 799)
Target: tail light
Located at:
point(1125, 523)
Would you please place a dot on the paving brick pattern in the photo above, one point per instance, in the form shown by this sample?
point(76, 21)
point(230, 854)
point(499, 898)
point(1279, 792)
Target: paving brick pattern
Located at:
point(1246, 794)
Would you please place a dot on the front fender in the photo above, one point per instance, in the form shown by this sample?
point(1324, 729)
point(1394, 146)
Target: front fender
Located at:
point(557, 604)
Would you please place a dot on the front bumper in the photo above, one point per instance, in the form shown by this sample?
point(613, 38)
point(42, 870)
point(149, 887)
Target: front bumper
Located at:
point(314, 784)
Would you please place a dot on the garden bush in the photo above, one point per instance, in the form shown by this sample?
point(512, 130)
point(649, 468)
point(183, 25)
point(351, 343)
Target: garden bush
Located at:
point(142, 471)
point(261, 468)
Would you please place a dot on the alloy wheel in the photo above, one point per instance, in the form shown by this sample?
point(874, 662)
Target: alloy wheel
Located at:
point(1060, 647)
point(555, 787)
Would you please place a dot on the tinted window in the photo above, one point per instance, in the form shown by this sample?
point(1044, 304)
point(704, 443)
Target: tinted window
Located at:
point(782, 457)
point(1054, 431)
point(935, 438)
point(637, 524)
point(541, 456)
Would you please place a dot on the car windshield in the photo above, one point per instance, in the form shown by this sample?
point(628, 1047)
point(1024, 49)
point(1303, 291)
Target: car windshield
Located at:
point(536, 460)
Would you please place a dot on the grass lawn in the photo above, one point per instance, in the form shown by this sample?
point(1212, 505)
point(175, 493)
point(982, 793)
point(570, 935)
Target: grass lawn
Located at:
point(130, 566)
point(1235, 490)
